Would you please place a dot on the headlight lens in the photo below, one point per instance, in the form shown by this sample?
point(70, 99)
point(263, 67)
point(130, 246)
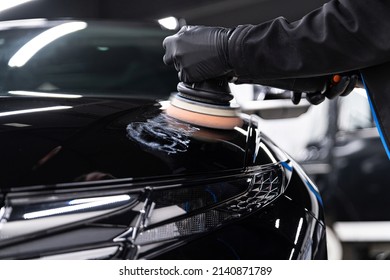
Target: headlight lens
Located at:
point(131, 219)
point(227, 202)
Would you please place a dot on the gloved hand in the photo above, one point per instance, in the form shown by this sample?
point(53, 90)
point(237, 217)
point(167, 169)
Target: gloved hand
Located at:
point(198, 52)
point(337, 85)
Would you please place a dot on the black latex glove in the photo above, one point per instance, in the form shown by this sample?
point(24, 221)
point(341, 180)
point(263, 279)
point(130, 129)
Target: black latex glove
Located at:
point(198, 52)
point(336, 86)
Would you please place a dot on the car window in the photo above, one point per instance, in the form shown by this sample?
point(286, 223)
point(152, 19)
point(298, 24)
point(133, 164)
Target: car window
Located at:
point(96, 57)
point(354, 112)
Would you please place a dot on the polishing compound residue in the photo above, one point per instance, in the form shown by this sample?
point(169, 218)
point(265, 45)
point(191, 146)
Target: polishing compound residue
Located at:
point(162, 133)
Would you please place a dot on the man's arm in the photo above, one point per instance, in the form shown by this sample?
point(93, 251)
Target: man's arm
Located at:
point(340, 36)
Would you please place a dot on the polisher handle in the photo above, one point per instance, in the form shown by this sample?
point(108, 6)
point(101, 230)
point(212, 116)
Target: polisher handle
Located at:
point(312, 84)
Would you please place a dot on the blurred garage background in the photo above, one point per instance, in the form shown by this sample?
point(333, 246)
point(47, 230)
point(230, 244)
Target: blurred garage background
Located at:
point(217, 12)
point(336, 142)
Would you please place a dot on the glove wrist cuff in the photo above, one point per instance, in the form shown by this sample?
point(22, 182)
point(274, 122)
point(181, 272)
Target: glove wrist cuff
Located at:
point(236, 55)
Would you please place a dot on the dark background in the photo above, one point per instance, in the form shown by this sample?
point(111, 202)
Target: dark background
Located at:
point(217, 12)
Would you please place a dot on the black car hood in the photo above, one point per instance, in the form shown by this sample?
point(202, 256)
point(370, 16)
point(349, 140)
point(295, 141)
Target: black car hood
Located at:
point(61, 140)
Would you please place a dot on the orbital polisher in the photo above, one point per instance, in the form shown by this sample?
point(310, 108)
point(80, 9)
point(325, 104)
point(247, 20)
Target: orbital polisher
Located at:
point(207, 103)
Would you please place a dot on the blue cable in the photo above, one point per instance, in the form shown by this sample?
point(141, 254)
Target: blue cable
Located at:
point(382, 137)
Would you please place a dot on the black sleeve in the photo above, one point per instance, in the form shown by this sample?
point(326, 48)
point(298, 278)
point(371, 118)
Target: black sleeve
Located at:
point(341, 36)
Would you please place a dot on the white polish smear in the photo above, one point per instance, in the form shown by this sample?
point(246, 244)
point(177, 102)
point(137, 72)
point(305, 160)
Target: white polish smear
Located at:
point(162, 133)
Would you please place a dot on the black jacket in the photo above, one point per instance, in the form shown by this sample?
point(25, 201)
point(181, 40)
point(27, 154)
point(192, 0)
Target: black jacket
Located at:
point(341, 36)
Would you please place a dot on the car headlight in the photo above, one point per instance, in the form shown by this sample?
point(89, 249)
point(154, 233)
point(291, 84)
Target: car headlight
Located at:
point(214, 205)
point(131, 217)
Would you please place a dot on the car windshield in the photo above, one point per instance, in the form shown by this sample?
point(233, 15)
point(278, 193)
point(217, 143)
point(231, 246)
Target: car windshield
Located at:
point(85, 57)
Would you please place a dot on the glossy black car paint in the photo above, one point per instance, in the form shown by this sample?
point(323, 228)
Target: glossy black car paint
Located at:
point(91, 136)
point(88, 135)
point(100, 173)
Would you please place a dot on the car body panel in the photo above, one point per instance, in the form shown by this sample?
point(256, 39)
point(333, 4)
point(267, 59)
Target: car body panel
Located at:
point(93, 168)
point(95, 145)
point(106, 136)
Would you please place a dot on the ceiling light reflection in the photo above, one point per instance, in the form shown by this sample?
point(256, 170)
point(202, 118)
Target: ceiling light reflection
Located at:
point(242, 131)
point(25, 53)
point(299, 229)
point(36, 22)
point(170, 23)
point(277, 223)
point(88, 203)
point(44, 94)
point(35, 110)
point(116, 198)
